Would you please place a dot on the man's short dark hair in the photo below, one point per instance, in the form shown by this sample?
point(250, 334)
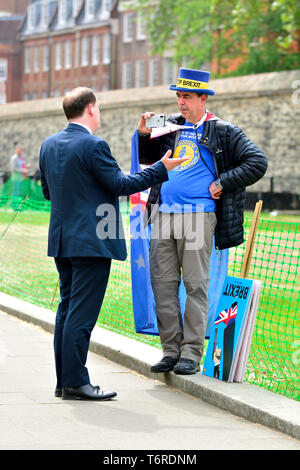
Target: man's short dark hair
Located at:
point(77, 100)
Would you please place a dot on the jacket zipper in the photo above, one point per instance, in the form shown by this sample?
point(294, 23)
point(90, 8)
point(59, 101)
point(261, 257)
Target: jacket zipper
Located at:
point(201, 141)
point(215, 162)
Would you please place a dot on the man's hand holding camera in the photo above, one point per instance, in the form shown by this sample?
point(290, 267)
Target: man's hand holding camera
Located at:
point(170, 163)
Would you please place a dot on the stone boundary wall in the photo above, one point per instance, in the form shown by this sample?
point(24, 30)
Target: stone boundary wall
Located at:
point(265, 106)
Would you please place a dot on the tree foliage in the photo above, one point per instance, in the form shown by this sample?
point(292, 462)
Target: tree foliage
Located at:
point(257, 36)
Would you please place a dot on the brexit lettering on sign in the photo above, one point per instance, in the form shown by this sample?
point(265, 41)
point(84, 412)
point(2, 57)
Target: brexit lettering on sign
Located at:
point(236, 290)
point(191, 83)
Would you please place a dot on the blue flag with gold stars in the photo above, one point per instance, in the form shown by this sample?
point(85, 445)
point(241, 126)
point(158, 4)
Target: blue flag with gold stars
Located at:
point(142, 295)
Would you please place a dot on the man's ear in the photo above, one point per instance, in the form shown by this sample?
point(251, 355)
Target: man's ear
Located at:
point(90, 109)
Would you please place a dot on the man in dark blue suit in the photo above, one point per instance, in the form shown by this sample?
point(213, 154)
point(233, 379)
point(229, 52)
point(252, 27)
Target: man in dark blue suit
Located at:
point(83, 182)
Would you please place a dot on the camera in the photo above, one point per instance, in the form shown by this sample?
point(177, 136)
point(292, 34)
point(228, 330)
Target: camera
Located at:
point(157, 120)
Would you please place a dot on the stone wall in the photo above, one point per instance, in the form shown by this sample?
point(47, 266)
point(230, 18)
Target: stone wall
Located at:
point(265, 106)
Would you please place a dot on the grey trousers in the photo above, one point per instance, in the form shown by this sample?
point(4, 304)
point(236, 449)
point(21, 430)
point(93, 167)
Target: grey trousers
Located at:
point(180, 246)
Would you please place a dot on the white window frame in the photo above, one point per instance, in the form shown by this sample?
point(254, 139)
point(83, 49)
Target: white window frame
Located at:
point(62, 12)
point(68, 54)
point(46, 52)
point(127, 73)
point(36, 59)
point(58, 56)
point(95, 49)
point(3, 70)
point(140, 73)
point(169, 71)
point(128, 25)
point(106, 5)
point(106, 51)
point(89, 9)
point(44, 14)
point(140, 27)
point(85, 46)
point(27, 60)
point(76, 6)
point(31, 12)
point(154, 72)
point(76, 52)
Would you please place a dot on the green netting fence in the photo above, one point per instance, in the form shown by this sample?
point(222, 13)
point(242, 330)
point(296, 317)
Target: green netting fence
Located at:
point(26, 272)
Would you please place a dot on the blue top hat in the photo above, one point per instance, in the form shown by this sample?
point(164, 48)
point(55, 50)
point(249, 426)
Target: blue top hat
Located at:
point(193, 81)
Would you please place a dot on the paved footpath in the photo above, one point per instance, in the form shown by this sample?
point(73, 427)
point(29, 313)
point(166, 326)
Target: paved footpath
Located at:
point(147, 414)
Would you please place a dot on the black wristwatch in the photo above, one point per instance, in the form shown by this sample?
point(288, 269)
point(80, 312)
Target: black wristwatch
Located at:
point(218, 184)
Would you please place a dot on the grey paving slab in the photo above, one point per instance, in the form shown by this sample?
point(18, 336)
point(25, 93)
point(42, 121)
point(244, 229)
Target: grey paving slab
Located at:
point(147, 413)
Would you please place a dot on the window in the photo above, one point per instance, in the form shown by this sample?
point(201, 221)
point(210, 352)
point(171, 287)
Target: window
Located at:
point(3, 95)
point(68, 55)
point(90, 8)
point(58, 56)
point(128, 27)
point(95, 50)
point(127, 75)
point(45, 14)
point(140, 74)
point(153, 72)
point(62, 12)
point(169, 71)
point(31, 17)
point(76, 6)
point(27, 60)
point(85, 51)
point(76, 53)
point(140, 27)
point(3, 70)
point(107, 5)
point(45, 58)
point(36, 59)
point(106, 49)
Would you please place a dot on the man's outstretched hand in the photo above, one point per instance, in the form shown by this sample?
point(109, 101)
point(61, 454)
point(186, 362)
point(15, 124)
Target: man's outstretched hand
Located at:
point(171, 163)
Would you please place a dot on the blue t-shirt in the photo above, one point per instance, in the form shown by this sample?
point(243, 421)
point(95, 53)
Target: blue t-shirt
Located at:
point(187, 187)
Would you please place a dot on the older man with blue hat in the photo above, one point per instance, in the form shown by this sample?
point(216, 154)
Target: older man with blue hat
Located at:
point(202, 201)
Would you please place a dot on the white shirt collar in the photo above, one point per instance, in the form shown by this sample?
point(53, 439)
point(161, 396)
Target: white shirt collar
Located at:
point(83, 125)
point(199, 123)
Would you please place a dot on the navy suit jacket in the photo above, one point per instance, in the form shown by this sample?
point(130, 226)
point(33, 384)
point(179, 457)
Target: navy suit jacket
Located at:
point(83, 182)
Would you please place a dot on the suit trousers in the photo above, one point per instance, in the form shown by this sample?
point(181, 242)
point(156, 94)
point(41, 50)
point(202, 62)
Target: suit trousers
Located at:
point(180, 247)
point(83, 282)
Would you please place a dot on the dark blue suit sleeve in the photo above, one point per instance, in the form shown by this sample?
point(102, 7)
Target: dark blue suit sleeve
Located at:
point(107, 171)
point(44, 185)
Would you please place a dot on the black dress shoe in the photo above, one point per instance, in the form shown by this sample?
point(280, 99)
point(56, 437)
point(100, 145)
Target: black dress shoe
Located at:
point(186, 367)
point(58, 392)
point(165, 365)
point(86, 392)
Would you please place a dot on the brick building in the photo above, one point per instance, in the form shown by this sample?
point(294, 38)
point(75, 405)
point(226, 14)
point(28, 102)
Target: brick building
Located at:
point(65, 43)
point(96, 43)
point(133, 65)
point(11, 15)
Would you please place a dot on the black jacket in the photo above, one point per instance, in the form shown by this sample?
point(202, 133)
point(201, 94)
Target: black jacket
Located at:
point(238, 163)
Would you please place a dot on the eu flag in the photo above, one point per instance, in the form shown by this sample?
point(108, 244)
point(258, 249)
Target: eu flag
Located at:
point(142, 295)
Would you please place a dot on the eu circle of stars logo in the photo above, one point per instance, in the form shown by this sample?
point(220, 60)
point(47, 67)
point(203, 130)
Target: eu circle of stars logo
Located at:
point(189, 149)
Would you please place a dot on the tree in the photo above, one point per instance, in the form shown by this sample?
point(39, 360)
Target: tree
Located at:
point(256, 36)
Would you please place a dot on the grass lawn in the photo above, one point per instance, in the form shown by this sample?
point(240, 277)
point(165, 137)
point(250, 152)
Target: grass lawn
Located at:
point(26, 272)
